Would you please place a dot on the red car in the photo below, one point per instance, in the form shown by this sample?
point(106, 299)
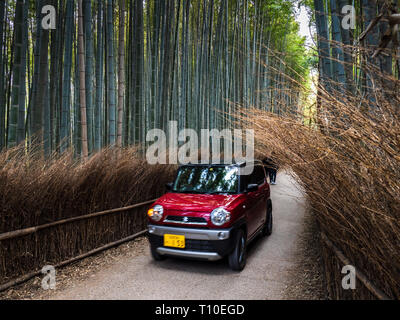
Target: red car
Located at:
point(210, 212)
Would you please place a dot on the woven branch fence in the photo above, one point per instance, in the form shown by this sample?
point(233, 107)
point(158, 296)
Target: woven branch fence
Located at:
point(65, 241)
point(334, 261)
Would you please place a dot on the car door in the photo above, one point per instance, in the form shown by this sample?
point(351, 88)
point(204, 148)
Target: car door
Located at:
point(263, 196)
point(255, 201)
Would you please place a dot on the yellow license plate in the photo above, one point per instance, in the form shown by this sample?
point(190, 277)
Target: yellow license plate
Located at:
point(172, 240)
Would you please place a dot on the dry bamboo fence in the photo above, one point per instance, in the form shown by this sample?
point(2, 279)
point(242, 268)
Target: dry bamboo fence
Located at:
point(334, 260)
point(346, 161)
point(135, 212)
point(52, 210)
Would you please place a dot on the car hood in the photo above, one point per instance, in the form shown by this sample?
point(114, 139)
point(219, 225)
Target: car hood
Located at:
point(196, 202)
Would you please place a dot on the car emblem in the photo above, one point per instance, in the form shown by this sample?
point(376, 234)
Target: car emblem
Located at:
point(185, 219)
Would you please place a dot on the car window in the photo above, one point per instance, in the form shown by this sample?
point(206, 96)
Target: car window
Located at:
point(206, 179)
point(258, 176)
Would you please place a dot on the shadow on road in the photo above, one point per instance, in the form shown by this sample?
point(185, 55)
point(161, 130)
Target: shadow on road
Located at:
point(219, 267)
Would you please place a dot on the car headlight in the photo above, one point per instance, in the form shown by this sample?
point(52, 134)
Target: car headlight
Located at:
point(156, 212)
point(220, 216)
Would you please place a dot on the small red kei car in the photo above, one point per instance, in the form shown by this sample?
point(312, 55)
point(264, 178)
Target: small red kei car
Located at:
point(211, 211)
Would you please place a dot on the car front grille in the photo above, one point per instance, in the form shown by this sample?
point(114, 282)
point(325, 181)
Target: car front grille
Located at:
point(185, 220)
point(199, 245)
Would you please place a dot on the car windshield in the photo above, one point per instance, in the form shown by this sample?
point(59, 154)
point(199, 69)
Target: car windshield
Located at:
point(207, 179)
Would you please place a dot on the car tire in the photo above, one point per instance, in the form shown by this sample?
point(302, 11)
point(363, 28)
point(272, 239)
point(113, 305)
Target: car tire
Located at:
point(267, 229)
point(156, 256)
point(237, 259)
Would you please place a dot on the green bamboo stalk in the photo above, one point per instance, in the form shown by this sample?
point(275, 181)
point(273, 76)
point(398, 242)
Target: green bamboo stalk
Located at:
point(111, 74)
point(121, 71)
point(3, 5)
point(88, 36)
point(41, 97)
point(65, 130)
point(82, 87)
point(17, 111)
point(98, 112)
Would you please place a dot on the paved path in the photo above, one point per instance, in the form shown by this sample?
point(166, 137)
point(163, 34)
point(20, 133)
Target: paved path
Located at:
point(266, 275)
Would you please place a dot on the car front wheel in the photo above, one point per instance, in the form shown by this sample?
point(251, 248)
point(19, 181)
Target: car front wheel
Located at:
point(237, 259)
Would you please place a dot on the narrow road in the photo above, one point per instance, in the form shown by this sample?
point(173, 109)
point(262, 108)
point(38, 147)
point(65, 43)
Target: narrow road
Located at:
point(267, 273)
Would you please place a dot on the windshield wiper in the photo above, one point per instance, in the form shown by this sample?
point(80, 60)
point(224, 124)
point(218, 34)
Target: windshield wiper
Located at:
point(219, 192)
point(189, 191)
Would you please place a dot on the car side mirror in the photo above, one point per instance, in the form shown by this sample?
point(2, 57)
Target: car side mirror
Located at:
point(168, 186)
point(252, 187)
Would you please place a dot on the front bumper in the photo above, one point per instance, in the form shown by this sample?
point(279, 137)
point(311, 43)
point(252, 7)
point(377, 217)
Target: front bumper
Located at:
point(205, 244)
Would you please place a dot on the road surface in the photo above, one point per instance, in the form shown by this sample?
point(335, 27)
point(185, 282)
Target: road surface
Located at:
point(267, 273)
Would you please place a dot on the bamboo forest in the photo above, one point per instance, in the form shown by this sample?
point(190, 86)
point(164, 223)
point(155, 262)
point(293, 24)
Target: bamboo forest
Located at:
point(83, 82)
point(144, 63)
